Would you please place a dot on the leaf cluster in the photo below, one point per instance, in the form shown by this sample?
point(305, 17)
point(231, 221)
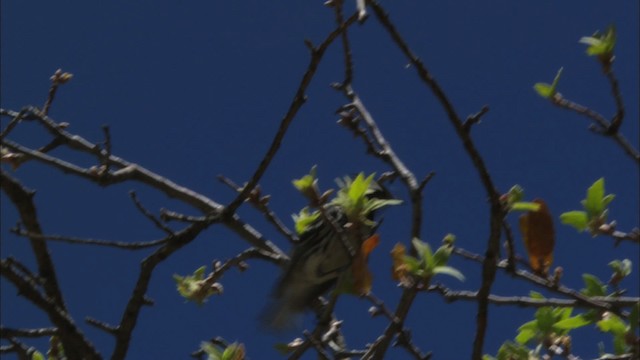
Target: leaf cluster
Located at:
point(594, 213)
point(426, 264)
point(195, 287)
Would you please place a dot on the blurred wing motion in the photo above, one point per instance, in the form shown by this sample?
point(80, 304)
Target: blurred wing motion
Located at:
point(317, 261)
point(539, 237)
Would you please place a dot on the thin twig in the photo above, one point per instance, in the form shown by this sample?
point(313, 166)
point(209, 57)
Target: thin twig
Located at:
point(346, 48)
point(602, 123)
point(148, 214)
point(57, 79)
point(388, 155)
point(525, 301)
point(404, 340)
point(110, 329)
point(299, 99)
point(15, 120)
point(129, 171)
point(138, 295)
point(475, 118)
point(86, 241)
point(583, 300)
point(260, 203)
point(104, 161)
point(76, 345)
point(497, 212)
point(168, 215)
point(509, 246)
point(27, 333)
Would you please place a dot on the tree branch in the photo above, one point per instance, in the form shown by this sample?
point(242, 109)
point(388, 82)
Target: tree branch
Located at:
point(497, 212)
point(299, 99)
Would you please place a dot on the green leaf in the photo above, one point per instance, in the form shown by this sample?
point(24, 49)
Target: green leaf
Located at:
point(607, 200)
point(375, 204)
point(234, 351)
point(307, 182)
point(536, 295)
point(620, 345)
point(577, 219)
point(359, 187)
point(37, 355)
point(595, 195)
point(525, 206)
point(594, 287)
point(525, 335)
point(545, 319)
point(424, 251)
point(448, 270)
point(600, 44)
point(612, 324)
point(283, 348)
point(634, 317)
point(199, 273)
point(212, 351)
point(562, 313)
point(545, 90)
point(441, 256)
point(516, 193)
point(623, 268)
point(513, 351)
point(413, 264)
point(572, 323)
point(305, 218)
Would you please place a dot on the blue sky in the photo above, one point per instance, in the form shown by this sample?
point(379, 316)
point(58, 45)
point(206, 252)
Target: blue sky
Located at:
point(193, 91)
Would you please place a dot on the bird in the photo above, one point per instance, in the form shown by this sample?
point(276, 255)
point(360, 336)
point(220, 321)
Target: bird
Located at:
point(320, 256)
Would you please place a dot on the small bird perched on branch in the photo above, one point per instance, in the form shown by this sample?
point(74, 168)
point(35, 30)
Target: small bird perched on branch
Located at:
point(331, 243)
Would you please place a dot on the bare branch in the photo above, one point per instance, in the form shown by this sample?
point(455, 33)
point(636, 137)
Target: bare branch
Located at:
point(581, 299)
point(57, 79)
point(387, 154)
point(380, 346)
point(299, 99)
point(346, 48)
point(148, 214)
point(74, 341)
point(616, 122)
point(525, 301)
point(497, 212)
point(261, 203)
point(138, 295)
point(610, 230)
point(475, 118)
point(168, 215)
point(27, 333)
point(84, 241)
point(404, 340)
point(15, 120)
point(603, 125)
point(110, 329)
point(127, 171)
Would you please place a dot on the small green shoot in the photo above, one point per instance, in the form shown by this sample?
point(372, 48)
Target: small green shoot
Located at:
point(547, 91)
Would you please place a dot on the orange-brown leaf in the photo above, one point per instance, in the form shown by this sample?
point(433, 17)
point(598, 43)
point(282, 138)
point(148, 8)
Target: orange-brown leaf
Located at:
point(362, 278)
point(539, 237)
point(399, 268)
